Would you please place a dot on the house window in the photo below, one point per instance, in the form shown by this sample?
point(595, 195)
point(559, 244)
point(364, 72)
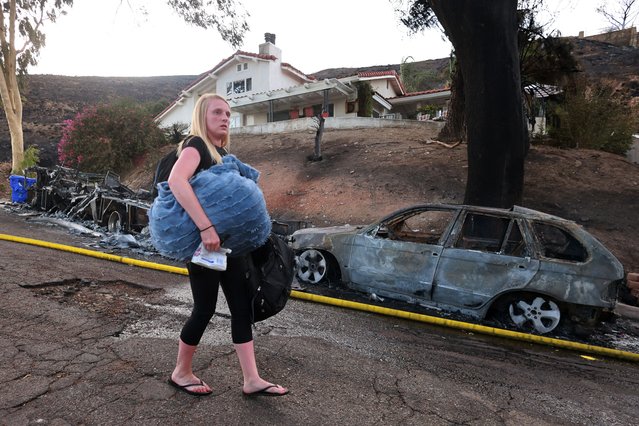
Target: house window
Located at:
point(241, 67)
point(239, 86)
point(235, 121)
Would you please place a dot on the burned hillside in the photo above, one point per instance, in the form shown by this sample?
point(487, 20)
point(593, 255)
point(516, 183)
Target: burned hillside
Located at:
point(51, 99)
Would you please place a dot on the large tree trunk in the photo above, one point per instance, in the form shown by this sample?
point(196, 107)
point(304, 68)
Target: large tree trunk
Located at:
point(10, 91)
point(12, 103)
point(455, 128)
point(14, 120)
point(484, 35)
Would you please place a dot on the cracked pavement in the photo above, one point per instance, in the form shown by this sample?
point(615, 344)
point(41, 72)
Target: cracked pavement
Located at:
point(87, 341)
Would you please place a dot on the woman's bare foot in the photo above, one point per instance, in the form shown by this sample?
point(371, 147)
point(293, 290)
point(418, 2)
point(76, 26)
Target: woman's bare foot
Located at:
point(191, 385)
point(263, 388)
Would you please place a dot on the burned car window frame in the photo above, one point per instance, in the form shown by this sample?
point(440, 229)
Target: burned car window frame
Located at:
point(490, 243)
point(573, 250)
point(388, 228)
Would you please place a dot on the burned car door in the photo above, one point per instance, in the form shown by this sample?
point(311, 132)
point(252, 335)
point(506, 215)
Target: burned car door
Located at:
point(399, 257)
point(489, 255)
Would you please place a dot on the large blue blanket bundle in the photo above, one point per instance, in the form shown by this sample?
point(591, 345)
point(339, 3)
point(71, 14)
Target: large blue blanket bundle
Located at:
point(229, 195)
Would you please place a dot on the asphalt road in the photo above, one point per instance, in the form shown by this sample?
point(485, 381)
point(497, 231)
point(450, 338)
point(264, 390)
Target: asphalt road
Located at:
point(88, 341)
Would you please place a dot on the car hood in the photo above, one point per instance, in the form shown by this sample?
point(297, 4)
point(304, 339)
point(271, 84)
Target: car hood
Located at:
point(329, 230)
point(321, 237)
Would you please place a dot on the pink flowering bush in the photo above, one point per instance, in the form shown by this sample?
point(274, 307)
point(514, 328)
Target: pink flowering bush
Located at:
point(108, 137)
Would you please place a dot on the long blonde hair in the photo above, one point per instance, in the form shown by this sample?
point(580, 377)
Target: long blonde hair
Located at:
point(198, 126)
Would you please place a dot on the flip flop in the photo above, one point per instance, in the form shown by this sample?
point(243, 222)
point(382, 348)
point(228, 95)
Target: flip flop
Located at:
point(263, 392)
point(185, 388)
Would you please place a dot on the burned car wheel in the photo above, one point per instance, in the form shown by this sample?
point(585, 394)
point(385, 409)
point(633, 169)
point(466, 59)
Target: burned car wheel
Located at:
point(313, 266)
point(534, 313)
point(115, 221)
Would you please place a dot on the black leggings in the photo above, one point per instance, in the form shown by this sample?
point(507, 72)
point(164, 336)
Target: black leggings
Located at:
point(204, 286)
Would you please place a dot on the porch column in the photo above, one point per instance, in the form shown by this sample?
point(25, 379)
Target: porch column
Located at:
point(269, 118)
point(325, 104)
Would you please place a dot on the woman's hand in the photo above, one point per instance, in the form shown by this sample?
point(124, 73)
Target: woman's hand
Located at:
point(210, 239)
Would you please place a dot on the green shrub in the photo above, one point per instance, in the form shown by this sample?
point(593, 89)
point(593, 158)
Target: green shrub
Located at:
point(108, 137)
point(31, 159)
point(155, 107)
point(416, 80)
point(365, 99)
point(593, 118)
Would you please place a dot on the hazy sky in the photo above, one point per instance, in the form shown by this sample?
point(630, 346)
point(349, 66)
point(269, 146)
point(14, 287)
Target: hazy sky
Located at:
point(107, 38)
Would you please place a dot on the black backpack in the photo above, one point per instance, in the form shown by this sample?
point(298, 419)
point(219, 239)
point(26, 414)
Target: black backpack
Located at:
point(163, 170)
point(271, 272)
point(164, 166)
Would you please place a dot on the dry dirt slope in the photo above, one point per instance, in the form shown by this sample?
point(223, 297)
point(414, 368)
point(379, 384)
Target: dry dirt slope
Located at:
point(366, 173)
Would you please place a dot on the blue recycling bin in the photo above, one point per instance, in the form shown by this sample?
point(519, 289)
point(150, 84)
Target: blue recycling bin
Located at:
point(19, 187)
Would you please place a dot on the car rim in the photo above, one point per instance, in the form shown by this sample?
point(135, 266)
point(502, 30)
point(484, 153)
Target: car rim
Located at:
point(312, 266)
point(544, 315)
point(115, 222)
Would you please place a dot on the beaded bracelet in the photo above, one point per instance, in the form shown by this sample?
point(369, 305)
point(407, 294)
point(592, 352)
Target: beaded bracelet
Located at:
point(208, 227)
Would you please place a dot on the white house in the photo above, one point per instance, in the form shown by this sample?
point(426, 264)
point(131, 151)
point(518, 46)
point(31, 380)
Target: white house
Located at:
point(261, 89)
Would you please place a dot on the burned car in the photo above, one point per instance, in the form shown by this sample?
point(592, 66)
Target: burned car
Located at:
point(99, 197)
point(530, 270)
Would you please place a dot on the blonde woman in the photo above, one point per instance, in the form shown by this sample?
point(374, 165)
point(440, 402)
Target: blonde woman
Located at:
point(210, 131)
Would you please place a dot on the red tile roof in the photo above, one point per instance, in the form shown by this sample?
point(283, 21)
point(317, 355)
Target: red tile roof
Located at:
point(310, 77)
point(423, 92)
point(377, 73)
point(385, 73)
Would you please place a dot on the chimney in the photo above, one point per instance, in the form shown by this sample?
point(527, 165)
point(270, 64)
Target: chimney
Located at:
point(269, 48)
